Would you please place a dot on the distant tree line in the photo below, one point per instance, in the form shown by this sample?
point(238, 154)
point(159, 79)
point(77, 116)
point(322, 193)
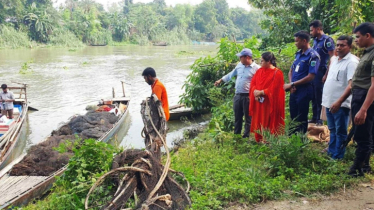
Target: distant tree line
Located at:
point(130, 22)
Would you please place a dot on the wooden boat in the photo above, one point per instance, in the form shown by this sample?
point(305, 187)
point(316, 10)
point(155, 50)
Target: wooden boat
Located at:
point(180, 110)
point(19, 190)
point(10, 130)
point(160, 44)
point(98, 45)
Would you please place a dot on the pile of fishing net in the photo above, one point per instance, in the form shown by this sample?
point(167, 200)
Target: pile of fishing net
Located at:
point(43, 160)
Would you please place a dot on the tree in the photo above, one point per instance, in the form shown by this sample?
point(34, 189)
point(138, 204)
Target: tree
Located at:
point(205, 16)
point(39, 22)
point(159, 6)
point(246, 22)
point(127, 5)
point(11, 10)
point(285, 18)
point(39, 3)
point(120, 27)
point(179, 16)
point(146, 20)
point(222, 11)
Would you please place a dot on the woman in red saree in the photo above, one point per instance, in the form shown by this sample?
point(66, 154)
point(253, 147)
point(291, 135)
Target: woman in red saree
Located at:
point(267, 98)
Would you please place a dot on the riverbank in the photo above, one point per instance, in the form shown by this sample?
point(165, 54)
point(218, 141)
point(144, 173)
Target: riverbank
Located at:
point(11, 38)
point(358, 198)
point(228, 172)
point(224, 169)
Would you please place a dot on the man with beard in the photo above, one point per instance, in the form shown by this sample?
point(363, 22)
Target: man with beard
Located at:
point(158, 89)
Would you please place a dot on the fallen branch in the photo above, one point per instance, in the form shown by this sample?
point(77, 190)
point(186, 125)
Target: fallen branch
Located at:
point(146, 180)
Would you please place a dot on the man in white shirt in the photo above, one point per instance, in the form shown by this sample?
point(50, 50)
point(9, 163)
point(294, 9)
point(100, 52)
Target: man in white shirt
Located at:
point(336, 94)
point(7, 99)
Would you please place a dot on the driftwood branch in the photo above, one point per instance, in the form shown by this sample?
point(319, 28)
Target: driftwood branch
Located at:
point(140, 175)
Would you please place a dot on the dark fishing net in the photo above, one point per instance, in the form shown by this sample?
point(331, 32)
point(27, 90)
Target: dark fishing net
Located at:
point(43, 160)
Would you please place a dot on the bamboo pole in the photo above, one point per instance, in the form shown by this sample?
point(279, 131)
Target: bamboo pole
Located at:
point(123, 88)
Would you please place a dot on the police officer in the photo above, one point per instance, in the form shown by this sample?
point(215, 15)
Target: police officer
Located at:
point(301, 75)
point(324, 46)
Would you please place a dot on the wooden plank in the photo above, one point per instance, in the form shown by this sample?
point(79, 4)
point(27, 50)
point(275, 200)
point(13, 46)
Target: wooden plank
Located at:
point(176, 106)
point(13, 186)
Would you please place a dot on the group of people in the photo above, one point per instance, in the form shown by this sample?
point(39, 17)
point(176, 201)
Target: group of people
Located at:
point(6, 102)
point(325, 75)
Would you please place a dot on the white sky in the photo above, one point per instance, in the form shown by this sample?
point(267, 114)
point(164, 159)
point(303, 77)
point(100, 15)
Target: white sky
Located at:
point(232, 3)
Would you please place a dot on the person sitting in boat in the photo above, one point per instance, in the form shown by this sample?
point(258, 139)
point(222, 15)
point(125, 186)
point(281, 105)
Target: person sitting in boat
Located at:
point(158, 89)
point(7, 99)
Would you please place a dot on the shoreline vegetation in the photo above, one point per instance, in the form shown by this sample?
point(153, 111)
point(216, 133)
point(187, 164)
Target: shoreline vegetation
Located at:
point(75, 23)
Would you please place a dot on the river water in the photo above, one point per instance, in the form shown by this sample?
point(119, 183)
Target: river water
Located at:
point(62, 82)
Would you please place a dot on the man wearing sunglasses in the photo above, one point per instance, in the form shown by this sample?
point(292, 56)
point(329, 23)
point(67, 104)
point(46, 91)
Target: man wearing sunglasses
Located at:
point(336, 95)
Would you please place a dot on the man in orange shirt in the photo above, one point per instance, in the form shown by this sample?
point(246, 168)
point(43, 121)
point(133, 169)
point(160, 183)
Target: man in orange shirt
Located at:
point(158, 89)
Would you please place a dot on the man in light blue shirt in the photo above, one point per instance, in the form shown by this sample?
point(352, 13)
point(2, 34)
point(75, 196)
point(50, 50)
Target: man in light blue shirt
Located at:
point(244, 72)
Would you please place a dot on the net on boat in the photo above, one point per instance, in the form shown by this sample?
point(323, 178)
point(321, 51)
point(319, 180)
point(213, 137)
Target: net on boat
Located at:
point(43, 160)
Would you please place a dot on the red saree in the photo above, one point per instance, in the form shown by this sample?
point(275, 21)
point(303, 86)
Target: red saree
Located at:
point(268, 115)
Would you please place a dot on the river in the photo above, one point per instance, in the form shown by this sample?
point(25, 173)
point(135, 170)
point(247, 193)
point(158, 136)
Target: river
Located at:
point(62, 82)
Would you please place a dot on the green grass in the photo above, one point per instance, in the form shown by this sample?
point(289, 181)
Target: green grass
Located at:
point(224, 168)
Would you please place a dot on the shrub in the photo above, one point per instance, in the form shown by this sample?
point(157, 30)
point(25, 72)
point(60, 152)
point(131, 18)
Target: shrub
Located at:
point(64, 38)
point(12, 38)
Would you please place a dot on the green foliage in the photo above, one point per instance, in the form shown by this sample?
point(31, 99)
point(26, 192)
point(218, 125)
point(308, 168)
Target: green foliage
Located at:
point(205, 71)
point(90, 161)
point(285, 56)
point(12, 38)
point(26, 68)
point(176, 36)
point(39, 23)
point(222, 110)
point(98, 38)
point(286, 17)
point(136, 23)
point(64, 38)
point(120, 27)
point(227, 169)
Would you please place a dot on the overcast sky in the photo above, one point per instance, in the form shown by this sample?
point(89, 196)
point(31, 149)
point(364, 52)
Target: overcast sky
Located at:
point(232, 3)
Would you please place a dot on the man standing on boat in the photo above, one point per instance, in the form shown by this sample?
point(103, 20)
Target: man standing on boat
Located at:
point(244, 72)
point(7, 100)
point(158, 89)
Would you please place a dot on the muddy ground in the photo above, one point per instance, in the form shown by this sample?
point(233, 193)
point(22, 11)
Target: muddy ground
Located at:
point(359, 198)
